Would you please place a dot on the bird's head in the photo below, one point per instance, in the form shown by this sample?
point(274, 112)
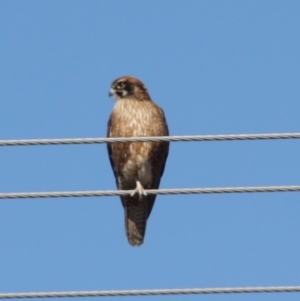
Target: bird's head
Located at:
point(128, 87)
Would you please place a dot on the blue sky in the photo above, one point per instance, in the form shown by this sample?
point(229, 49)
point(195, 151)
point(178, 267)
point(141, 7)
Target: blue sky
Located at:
point(215, 67)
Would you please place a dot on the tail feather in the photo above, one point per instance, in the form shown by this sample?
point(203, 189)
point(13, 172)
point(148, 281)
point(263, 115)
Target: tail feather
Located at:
point(136, 215)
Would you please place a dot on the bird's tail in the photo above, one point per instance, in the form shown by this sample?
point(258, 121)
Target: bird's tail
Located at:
point(136, 215)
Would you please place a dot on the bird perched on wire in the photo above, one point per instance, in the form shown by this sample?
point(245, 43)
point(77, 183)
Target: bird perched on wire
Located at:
point(136, 165)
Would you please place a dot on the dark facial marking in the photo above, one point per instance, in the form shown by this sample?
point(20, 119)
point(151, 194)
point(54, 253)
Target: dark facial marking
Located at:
point(123, 86)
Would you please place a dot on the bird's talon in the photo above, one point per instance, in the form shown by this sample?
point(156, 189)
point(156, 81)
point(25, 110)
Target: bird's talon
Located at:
point(139, 190)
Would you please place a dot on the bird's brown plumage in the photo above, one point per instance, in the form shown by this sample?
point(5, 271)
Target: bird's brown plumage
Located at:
point(136, 115)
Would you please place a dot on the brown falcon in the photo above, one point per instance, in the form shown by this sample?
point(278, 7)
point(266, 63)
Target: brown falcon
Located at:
point(136, 165)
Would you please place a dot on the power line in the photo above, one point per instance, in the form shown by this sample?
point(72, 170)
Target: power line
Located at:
point(65, 194)
point(152, 191)
point(149, 139)
point(195, 291)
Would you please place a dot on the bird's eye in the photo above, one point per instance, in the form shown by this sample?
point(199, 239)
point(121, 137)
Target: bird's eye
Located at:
point(120, 86)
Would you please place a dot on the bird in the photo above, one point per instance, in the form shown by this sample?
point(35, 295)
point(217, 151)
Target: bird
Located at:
point(137, 166)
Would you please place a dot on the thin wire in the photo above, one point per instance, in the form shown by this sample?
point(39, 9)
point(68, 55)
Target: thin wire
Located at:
point(149, 139)
point(65, 194)
point(188, 291)
point(153, 191)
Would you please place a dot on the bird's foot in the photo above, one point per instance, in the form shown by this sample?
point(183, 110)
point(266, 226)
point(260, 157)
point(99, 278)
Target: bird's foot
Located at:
point(139, 189)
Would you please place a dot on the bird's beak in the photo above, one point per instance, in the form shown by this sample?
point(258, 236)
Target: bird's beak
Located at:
point(111, 92)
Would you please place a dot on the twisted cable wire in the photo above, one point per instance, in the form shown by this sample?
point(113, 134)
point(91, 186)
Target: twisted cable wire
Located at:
point(149, 139)
point(234, 290)
point(153, 191)
point(99, 193)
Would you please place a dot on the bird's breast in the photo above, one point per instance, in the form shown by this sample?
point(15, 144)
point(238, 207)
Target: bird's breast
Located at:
point(136, 119)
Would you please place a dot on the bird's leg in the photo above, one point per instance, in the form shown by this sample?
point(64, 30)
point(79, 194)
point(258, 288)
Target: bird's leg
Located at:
point(139, 189)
